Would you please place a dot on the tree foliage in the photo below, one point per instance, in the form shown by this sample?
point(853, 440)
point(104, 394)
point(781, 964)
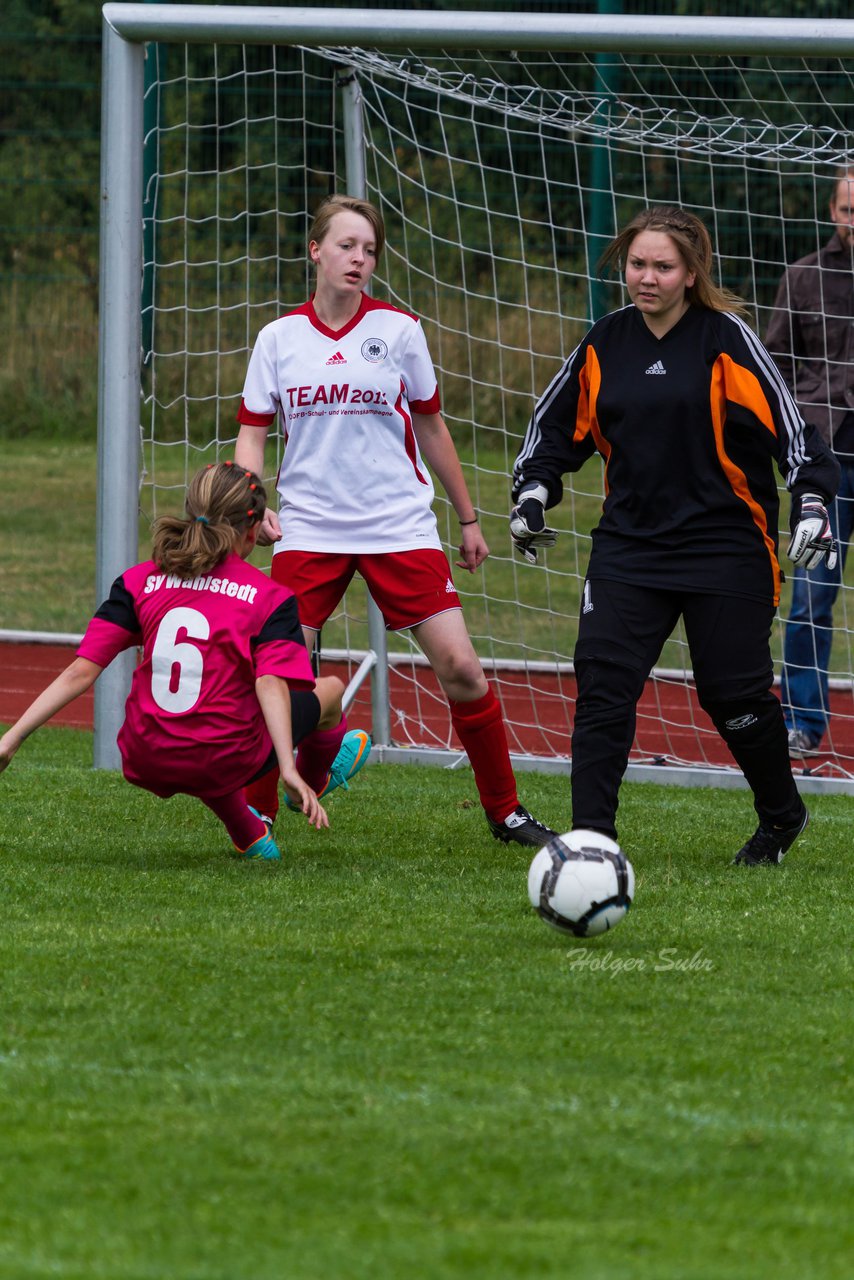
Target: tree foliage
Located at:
point(50, 147)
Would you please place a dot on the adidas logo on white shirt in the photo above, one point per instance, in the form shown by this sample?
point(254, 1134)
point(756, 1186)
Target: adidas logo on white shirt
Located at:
point(336, 359)
point(658, 367)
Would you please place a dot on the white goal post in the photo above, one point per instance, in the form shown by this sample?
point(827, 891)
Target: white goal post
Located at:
point(504, 150)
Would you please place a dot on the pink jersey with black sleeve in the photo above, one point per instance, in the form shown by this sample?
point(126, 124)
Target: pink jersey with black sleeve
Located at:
point(192, 719)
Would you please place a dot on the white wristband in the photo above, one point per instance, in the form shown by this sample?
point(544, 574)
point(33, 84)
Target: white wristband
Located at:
point(538, 492)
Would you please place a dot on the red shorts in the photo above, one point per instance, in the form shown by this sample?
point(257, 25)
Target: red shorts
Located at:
point(408, 587)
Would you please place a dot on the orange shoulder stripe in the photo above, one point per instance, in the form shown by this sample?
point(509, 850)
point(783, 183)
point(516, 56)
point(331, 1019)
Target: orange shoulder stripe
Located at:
point(731, 381)
point(586, 421)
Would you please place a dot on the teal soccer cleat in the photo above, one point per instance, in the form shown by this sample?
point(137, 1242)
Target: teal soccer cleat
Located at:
point(264, 849)
point(352, 755)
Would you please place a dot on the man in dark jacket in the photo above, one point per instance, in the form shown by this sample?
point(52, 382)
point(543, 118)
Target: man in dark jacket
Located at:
point(811, 338)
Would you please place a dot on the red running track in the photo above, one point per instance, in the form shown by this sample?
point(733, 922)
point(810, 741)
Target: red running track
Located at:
point(671, 727)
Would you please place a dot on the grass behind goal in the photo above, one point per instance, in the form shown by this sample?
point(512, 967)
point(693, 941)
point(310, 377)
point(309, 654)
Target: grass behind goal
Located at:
point(47, 575)
point(374, 1061)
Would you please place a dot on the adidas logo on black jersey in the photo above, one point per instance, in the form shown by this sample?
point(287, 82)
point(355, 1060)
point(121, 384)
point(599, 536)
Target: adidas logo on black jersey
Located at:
point(336, 359)
point(658, 367)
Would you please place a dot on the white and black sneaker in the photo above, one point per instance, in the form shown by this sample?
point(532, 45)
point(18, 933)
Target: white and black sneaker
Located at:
point(770, 844)
point(802, 745)
point(522, 828)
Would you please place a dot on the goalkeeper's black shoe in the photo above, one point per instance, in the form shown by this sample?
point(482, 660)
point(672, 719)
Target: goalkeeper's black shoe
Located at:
point(522, 828)
point(770, 844)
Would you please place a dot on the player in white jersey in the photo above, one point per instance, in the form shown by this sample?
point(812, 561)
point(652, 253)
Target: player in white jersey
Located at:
point(354, 387)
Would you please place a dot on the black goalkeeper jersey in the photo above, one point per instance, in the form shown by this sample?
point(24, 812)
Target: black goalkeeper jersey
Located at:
point(689, 426)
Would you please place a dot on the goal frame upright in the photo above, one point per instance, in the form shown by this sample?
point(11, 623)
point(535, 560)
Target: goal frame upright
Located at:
point(127, 27)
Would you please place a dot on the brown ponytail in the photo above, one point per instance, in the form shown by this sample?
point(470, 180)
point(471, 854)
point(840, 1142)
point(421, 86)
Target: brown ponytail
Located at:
point(223, 501)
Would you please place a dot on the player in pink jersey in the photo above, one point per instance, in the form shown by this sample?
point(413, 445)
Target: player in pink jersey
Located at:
point(224, 687)
point(354, 385)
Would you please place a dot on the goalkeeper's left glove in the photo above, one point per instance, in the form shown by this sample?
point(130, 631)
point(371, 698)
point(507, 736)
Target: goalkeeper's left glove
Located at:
point(528, 528)
point(812, 538)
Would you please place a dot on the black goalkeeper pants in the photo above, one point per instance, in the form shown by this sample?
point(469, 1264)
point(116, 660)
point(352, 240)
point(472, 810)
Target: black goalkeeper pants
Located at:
point(622, 630)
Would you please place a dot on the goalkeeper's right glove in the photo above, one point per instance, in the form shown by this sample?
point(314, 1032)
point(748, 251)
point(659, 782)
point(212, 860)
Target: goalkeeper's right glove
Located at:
point(528, 528)
point(812, 537)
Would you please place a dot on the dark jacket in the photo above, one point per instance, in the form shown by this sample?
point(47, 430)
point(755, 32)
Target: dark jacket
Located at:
point(690, 427)
point(811, 334)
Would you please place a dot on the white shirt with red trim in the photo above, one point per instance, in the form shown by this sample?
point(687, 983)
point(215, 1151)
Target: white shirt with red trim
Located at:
point(351, 478)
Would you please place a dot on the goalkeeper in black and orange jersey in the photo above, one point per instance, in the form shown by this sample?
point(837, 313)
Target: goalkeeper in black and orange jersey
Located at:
point(689, 413)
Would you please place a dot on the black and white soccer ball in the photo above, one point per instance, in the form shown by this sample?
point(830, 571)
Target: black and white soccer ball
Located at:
point(581, 883)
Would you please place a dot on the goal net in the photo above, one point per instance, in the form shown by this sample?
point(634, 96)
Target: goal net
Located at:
point(501, 178)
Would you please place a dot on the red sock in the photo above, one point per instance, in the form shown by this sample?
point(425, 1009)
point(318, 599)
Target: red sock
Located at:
point(317, 753)
point(480, 728)
point(263, 793)
point(243, 827)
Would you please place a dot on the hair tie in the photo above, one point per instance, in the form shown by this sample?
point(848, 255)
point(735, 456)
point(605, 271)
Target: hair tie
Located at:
point(202, 520)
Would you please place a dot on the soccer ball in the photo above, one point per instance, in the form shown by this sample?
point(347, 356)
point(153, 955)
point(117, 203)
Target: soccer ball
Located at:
point(581, 883)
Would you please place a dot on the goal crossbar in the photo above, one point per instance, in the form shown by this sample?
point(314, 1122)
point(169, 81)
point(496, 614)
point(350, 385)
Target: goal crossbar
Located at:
point(396, 28)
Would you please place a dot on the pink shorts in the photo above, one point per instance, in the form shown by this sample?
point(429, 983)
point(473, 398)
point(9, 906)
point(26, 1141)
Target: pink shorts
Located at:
point(408, 587)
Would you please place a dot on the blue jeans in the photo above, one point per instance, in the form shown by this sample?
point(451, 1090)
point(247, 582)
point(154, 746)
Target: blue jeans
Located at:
point(809, 629)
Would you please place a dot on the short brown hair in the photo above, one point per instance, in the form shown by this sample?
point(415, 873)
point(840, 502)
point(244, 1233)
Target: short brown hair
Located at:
point(689, 234)
point(328, 208)
point(844, 173)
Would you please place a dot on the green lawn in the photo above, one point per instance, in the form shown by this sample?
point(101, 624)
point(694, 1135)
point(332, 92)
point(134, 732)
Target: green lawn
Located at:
point(375, 1062)
point(47, 572)
point(47, 580)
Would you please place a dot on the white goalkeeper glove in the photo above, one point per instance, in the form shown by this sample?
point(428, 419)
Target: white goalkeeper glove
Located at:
point(812, 538)
point(528, 528)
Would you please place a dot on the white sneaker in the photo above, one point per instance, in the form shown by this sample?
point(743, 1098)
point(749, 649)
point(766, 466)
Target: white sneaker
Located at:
point(801, 745)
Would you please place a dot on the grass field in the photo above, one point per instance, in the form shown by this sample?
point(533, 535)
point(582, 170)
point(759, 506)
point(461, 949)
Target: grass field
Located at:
point(52, 542)
point(47, 574)
point(374, 1062)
